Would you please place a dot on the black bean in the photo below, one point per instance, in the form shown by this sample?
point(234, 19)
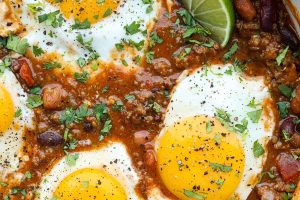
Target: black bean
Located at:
point(267, 14)
point(50, 138)
point(288, 36)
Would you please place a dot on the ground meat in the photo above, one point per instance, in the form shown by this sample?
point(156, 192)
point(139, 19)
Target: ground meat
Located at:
point(162, 66)
point(54, 97)
point(266, 192)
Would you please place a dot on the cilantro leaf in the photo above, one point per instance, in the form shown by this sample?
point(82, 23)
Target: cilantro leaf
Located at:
point(285, 90)
point(258, 149)
point(51, 65)
point(132, 28)
point(283, 109)
point(233, 49)
point(34, 101)
point(82, 77)
point(16, 44)
point(255, 115)
point(194, 195)
point(71, 159)
point(220, 167)
point(281, 56)
point(37, 51)
point(81, 25)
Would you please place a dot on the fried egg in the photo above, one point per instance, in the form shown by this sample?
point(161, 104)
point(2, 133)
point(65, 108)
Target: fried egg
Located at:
point(14, 118)
point(216, 128)
point(105, 173)
point(111, 22)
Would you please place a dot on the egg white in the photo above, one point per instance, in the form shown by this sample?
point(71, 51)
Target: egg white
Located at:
point(11, 140)
point(105, 34)
point(208, 88)
point(113, 159)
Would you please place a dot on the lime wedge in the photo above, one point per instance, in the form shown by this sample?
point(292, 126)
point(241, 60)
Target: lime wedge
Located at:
point(216, 15)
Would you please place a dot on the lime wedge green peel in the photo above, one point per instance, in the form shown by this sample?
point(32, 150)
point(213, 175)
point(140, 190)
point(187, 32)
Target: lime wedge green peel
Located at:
point(216, 15)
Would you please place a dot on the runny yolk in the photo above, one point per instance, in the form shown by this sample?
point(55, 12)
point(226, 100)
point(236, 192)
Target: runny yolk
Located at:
point(6, 110)
point(91, 10)
point(88, 183)
point(199, 158)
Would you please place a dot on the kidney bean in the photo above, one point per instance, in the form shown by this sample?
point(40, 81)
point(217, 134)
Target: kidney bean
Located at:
point(50, 138)
point(287, 124)
point(289, 37)
point(267, 14)
point(288, 167)
point(246, 9)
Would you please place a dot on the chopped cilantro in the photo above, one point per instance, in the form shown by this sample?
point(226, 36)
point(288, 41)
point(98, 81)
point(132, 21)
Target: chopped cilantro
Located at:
point(107, 12)
point(106, 128)
point(149, 57)
point(118, 106)
point(258, 149)
point(119, 46)
point(4, 64)
point(129, 97)
point(37, 51)
point(71, 159)
point(81, 25)
point(34, 101)
point(82, 77)
point(220, 167)
point(35, 7)
point(283, 108)
point(156, 107)
point(28, 175)
point(286, 136)
point(155, 39)
point(194, 195)
point(16, 44)
point(51, 65)
point(35, 90)
point(208, 126)
point(233, 49)
point(18, 113)
point(281, 56)
point(85, 184)
point(100, 111)
point(51, 19)
point(81, 62)
point(285, 90)
point(132, 28)
point(124, 62)
point(255, 115)
point(87, 44)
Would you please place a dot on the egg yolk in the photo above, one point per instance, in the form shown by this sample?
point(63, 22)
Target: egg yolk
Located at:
point(91, 10)
point(90, 184)
point(6, 109)
point(199, 158)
